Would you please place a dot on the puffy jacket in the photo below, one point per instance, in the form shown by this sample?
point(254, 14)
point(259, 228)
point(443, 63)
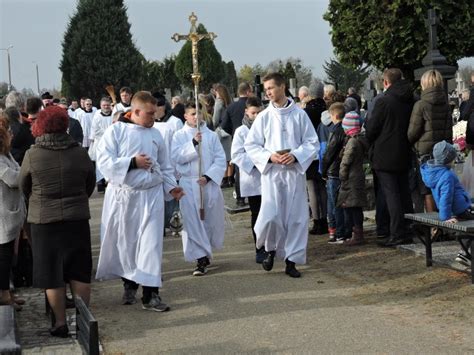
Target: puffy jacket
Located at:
point(352, 192)
point(387, 129)
point(448, 193)
point(332, 156)
point(430, 121)
point(58, 177)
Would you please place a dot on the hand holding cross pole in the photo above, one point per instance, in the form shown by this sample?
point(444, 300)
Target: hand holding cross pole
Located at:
point(195, 37)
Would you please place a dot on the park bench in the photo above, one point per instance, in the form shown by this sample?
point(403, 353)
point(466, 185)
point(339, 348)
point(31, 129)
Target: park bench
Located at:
point(423, 222)
point(9, 340)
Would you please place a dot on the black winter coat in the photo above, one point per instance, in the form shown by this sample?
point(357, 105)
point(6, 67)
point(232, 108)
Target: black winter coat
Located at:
point(314, 108)
point(332, 156)
point(387, 129)
point(233, 115)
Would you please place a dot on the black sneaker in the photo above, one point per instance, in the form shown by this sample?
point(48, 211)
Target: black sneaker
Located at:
point(267, 263)
point(155, 304)
point(201, 267)
point(462, 259)
point(466, 215)
point(260, 256)
point(128, 297)
point(291, 269)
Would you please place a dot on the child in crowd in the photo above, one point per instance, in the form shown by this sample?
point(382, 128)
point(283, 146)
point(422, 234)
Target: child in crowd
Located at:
point(250, 186)
point(330, 172)
point(352, 194)
point(453, 202)
point(200, 236)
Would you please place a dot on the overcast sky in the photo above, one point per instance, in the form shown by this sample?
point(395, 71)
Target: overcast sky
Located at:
point(249, 32)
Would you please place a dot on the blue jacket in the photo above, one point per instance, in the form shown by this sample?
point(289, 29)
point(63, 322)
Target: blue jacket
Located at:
point(448, 193)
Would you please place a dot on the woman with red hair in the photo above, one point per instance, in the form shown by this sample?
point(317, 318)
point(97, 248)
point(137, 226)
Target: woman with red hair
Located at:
point(57, 176)
point(12, 211)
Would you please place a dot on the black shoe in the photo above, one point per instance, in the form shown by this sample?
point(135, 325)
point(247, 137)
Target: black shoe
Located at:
point(260, 256)
point(315, 229)
point(394, 241)
point(291, 269)
point(323, 227)
point(60, 332)
point(267, 263)
point(466, 215)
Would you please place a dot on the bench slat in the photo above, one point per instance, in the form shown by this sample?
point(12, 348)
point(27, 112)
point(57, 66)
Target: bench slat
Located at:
point(432, 219)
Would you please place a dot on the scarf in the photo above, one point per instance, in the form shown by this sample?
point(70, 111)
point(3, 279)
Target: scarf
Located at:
point(247, 122)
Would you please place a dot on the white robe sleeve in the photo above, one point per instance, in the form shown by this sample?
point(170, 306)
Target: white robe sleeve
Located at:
point(183, 150)
point(309, 148)
point(238, 154)
point(218, 166)
point(254, 146)
point(113, 167)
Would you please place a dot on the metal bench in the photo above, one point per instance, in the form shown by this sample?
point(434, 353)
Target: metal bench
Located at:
point(423, 222)
point(9, 339)
point(87, 328)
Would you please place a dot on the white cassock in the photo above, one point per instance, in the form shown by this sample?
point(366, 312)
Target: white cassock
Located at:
point(100, 123)
point(200, 237)
point(174, 123)
point(250, 184)
point(282, 223)
point(85, 119)
point(133, 212)
point(121, 107)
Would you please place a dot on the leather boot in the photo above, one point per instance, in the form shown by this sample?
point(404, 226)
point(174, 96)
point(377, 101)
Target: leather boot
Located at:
point(357, 237)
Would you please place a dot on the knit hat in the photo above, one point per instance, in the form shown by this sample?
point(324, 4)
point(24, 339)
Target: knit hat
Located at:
point(444, 153)
point(351, 123)
point(350, 104)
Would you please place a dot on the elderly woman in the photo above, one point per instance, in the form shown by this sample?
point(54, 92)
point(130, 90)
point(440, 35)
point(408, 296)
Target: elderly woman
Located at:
point(430, 123)
point(58, 177)
point(12, 211)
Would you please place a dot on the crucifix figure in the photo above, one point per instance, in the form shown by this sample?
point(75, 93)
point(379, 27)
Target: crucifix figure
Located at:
point(432, 22)
point(195, 37)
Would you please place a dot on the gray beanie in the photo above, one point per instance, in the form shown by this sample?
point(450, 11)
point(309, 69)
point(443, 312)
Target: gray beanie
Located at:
point(350, 104)
point(316, 89)
point(444, 153)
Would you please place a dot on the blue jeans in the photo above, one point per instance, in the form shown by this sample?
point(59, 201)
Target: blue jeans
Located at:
point(335, 214)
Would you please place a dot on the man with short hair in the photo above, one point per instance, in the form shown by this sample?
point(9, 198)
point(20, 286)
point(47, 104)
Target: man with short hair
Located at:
point(85, 117)
point(282, 143)
point(390, 152)
point(74, 129)
point(33, 107)
point(125, 100)
point(72, 108)
point(133, 157)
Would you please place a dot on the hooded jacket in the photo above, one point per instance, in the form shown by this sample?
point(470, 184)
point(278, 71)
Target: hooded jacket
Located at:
point(387, 129)
point(448, 193)
point(430, 121)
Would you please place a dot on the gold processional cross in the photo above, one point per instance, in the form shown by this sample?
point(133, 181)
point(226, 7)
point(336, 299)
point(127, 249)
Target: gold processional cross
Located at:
point(195, 37)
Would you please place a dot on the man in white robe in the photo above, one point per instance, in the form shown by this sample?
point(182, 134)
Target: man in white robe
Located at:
point(85, 117)
point(282, 143)
point(100, 122)
point(125, 100)
point(133, 158)
point(200, 236)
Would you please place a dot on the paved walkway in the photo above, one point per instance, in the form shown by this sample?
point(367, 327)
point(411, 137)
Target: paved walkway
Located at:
point(364, 299)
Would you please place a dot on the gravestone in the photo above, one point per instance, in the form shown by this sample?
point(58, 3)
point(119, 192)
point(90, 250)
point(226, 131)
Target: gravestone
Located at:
point(433, 58)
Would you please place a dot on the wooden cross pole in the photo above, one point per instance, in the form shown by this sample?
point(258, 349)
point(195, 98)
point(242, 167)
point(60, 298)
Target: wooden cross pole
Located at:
point(195, 37)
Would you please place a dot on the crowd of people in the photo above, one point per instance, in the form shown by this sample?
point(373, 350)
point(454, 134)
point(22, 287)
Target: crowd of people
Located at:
point(292, 160)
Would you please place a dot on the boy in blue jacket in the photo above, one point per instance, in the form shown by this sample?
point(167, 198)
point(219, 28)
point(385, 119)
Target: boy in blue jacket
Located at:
point(453, 202)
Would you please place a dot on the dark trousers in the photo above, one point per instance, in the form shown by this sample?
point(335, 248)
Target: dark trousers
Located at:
point(382, 217)
point(237, 182)
point(254, 204)
point(353, 217)
point(396, 189)
point(147, 291)
point(6, 257)
point(318, 197)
